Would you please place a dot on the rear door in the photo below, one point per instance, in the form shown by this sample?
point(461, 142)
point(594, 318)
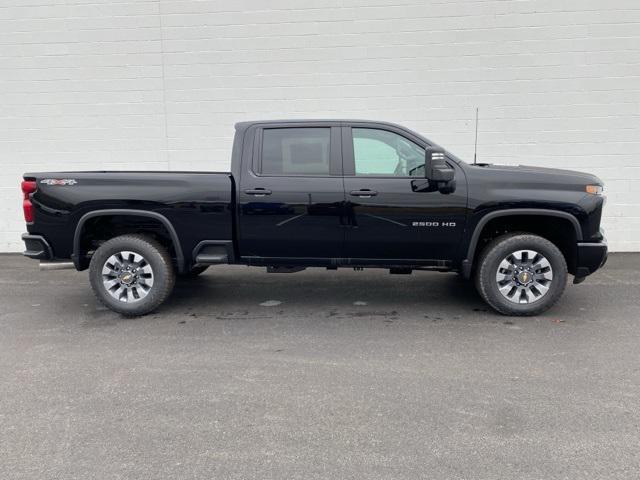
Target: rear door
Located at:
point(389, 221)
point(292, 195)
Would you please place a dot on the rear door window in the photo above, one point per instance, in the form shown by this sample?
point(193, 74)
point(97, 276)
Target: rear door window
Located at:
point(296, 151)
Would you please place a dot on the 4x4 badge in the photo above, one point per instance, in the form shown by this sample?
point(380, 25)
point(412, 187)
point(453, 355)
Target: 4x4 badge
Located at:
point(59, 181)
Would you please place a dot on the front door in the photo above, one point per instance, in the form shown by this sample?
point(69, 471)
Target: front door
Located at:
point(389, 220)
point(292, 196)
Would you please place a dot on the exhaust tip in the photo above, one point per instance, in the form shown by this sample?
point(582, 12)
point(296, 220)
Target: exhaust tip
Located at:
point(56, 265)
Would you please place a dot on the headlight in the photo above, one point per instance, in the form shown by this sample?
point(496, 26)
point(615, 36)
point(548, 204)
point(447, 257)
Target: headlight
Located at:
point(594, 189)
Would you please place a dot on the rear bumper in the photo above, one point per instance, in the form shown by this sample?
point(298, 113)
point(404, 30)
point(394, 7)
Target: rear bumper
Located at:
point(36, 247)
point(591, 256)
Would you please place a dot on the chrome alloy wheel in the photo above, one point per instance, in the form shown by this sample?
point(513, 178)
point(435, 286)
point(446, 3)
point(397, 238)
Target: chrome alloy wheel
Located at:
point(127, 276)
point(524, 276)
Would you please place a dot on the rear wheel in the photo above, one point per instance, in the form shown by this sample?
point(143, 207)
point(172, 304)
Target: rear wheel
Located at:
point(131, 274)
point(521, 274)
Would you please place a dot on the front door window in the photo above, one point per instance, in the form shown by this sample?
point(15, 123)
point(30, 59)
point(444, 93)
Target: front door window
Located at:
point(386, 154)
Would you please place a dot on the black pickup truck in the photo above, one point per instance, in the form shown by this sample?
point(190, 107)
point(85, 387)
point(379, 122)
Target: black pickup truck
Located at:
point(329, 193)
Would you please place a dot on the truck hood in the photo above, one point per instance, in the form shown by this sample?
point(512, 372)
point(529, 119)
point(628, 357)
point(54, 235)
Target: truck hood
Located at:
point(553, 175)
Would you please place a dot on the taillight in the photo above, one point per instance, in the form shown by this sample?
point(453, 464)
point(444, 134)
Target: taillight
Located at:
point(28, 187)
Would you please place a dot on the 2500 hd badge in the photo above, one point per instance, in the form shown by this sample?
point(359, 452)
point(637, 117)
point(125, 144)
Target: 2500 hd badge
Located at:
point(433, 224)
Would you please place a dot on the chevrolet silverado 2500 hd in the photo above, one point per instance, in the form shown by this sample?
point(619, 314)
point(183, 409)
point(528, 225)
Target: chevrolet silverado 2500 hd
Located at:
point(329, 193)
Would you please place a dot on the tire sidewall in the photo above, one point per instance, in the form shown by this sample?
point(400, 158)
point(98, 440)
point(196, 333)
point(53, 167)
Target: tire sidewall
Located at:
point(161, 274)
point(499, 252)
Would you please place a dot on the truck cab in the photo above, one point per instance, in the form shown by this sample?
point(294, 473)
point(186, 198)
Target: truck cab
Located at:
point(344, 194)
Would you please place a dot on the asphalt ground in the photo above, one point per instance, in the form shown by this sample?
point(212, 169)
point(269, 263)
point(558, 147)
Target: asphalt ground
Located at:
point(318, 375)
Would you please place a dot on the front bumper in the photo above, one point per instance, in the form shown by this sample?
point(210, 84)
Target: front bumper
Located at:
point(591, 256)
point(36, 247)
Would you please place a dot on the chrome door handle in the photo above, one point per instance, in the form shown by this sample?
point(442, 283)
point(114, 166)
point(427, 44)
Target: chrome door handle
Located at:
point(363, 193)
point(258, 192)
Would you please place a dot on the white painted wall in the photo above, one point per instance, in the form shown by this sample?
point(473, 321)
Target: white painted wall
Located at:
point(158, 84)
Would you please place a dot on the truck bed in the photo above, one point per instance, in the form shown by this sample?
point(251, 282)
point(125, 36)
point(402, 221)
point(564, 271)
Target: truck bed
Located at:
point(197, 204)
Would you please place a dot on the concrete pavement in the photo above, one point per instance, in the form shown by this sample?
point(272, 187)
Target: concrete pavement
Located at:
point(318, 375)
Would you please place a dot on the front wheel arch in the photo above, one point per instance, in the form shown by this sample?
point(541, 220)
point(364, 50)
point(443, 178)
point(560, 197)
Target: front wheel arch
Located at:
point(525, 220)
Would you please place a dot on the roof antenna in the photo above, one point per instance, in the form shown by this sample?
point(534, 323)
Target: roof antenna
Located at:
point(475, 148)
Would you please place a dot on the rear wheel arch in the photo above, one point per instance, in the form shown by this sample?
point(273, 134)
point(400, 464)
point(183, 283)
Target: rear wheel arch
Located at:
point(513, 220)
point(78, 255)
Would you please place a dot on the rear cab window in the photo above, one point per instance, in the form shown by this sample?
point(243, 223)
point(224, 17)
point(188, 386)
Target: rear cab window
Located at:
point(296, 151)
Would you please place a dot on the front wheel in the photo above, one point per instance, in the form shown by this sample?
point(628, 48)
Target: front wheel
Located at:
point(131, 274)
point(521, 274)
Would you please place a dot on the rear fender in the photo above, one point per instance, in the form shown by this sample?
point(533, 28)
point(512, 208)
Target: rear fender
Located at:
point(78, 257)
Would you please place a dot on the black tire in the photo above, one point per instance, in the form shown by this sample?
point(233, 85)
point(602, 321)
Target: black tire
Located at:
point(194, 272)
point(155, 255)
point(499, 249)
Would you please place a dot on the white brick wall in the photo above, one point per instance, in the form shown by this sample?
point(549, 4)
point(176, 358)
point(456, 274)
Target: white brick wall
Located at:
point(98, 84)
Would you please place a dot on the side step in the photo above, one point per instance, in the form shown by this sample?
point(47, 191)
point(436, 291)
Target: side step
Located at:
point(212, 258)
point(212, 253)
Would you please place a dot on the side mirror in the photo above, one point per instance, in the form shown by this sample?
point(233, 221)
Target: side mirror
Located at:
point(436, 167)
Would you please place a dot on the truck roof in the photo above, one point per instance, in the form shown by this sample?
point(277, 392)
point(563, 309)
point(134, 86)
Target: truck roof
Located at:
point(248, 123)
